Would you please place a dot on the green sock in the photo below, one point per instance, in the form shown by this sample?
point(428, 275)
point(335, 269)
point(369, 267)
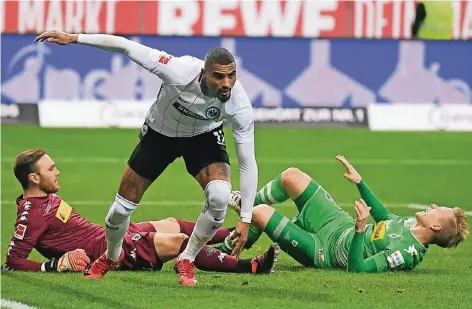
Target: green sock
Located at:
point(272, 193)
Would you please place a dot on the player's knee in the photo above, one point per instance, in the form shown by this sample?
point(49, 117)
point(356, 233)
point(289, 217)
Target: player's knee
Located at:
point(261, 215)
point(289, 176)
point(218, 194)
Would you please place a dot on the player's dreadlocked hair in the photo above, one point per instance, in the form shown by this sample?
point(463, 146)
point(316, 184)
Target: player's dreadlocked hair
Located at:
point(25, 164)
point(218, 55)
point(459, 232)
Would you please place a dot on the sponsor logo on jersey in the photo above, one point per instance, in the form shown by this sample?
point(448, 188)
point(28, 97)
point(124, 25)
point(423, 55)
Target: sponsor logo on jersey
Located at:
point(379, 231)
point(63, 212)
point(212, 113)
point(164, 59)
point(412, 250)
point(187, 112)
point(20, 231)
point(395, 259)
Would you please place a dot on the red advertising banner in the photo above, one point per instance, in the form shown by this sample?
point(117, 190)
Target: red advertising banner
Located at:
point(278, 18)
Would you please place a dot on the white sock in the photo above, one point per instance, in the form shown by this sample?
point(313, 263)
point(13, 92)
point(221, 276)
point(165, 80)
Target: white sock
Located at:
point(117, 222)
point(201, 234)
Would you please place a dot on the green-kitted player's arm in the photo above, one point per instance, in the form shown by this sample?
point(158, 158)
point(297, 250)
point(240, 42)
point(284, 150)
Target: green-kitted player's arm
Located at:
point(355, 260)
point(378, 211)
point(382, 261)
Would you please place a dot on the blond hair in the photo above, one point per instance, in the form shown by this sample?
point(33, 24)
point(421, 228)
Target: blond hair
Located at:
point(459, 232)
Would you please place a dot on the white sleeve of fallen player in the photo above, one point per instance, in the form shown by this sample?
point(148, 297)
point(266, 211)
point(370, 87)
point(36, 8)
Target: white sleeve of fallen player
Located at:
point(172, 70)
point(75, 260)
point(248, 178)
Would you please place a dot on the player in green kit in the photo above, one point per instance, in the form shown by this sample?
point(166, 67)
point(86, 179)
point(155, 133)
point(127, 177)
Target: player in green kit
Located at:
point(323, 235)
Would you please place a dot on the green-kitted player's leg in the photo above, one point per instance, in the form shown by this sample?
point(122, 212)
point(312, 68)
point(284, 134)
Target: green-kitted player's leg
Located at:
point(291, 183)
point(272, 193)
point(297, 243)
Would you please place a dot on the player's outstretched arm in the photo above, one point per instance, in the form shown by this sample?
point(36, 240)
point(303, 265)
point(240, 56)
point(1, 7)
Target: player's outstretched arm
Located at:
point(378, 212)
point(153, 60)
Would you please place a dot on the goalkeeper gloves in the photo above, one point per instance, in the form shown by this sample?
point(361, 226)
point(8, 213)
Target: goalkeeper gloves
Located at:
point(75, 260)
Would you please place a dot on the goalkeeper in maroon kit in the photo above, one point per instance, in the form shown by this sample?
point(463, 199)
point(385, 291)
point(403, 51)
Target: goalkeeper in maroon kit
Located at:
point(48, 224)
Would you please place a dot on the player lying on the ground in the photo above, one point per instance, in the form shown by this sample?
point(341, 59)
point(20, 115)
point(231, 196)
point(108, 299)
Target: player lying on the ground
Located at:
point(323, 235)
point(48, 224)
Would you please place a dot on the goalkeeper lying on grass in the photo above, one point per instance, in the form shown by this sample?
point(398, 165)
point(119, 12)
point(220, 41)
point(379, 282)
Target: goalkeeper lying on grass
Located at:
point(323, 235)
point(48, 224)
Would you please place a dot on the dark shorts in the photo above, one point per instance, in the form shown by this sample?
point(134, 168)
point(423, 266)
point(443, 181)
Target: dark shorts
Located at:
point(138, 246)
point(155, 152)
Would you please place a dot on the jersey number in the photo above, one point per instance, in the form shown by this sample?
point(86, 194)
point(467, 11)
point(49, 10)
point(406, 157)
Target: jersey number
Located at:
point(220, 138)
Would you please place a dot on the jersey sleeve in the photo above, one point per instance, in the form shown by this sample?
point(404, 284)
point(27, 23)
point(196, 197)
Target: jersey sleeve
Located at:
point(378, 211)
point(172, 70)
point(29, 227)
point(398, 258)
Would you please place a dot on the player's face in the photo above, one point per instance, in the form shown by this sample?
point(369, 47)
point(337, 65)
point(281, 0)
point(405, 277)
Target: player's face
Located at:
point(435, 215)
point(47, 175)
point(220, 80)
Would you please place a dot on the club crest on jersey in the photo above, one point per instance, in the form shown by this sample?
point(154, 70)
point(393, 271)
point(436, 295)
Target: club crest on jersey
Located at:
point(144, 130)
point(63, 212)
point(212, 113)
point(379, 230)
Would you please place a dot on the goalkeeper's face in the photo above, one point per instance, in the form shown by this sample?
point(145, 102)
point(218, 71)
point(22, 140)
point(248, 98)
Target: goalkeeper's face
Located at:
point(47, 175)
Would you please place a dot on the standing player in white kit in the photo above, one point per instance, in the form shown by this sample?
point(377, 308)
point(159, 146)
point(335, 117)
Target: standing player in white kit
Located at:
point(186, 120)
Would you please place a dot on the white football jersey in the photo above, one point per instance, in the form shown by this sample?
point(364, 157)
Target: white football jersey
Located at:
point(182, 110)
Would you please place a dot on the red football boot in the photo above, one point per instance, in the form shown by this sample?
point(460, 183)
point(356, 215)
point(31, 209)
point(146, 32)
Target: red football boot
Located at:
point(186, 271)
point(98, 268)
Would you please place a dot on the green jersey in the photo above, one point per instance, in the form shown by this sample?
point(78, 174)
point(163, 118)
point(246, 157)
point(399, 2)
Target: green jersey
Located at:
point(387, 245)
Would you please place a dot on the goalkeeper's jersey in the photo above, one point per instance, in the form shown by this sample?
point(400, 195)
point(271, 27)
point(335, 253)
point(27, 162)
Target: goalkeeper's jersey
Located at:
point(389, 243)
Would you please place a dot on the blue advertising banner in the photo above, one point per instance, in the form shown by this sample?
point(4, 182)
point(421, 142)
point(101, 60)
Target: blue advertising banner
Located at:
point(276, 72)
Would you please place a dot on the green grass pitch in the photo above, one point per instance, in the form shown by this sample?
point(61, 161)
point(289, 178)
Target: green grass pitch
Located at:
point(401, 168)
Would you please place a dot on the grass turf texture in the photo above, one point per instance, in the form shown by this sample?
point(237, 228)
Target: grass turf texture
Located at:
point(401, 168)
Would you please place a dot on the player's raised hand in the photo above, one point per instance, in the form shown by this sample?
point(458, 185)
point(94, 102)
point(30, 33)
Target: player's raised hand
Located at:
point(351, 172)
point(362, 215)
point(75, 260)
point(239, 238)
point(59, 37)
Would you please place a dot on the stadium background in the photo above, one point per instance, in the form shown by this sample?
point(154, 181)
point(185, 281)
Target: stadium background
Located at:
point(328, 76)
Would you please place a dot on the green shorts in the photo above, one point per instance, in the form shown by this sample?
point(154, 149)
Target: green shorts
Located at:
point(322, 217)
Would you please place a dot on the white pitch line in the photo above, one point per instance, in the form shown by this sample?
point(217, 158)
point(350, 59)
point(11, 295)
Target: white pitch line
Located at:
point(5, 303)
point(278, 161)
point(421, 207)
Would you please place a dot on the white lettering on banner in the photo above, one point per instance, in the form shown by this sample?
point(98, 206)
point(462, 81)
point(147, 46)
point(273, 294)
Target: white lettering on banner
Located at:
point(270, 18)
point(420, 117)
point(110, 16)
point(54, 17)
point(215, 20)
point(466, 23)
point(91, 17)
point(277, 114)
point(177, 18)
point(30, 16)
point(74, 16)
point(314, 21)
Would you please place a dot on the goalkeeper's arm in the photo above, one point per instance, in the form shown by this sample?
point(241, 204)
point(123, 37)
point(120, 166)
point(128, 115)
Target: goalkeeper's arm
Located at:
point(75, 260)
